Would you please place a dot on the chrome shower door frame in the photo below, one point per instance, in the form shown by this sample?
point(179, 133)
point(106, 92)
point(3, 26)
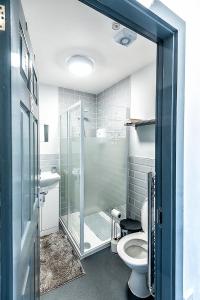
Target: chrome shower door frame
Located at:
point(82, 180)
point(79, 248)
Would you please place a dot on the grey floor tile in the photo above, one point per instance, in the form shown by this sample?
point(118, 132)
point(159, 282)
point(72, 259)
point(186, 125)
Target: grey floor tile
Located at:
point(106, 279)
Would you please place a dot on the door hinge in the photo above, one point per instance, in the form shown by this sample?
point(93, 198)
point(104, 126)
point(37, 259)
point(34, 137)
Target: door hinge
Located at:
point(2, 18)
point(159, 216)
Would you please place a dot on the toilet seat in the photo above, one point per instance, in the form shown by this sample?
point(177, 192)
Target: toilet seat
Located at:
point(133, 249)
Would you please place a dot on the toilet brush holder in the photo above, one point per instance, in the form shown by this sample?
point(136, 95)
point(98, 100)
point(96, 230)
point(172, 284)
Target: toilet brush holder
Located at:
point(114, 243)
point(116, 215)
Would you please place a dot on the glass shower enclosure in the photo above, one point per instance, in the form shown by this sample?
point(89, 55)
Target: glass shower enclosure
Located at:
point(93, 180)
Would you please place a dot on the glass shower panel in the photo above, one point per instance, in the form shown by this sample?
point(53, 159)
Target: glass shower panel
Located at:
point(64, 168)
point(74, 165)
point(93, 179)
point(105, 187)
point(71, 165)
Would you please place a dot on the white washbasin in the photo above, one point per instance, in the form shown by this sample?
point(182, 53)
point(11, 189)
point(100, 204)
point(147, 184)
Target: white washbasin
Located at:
point(48, 179)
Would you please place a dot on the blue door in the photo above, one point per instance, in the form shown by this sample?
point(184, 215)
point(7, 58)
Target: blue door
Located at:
point(20, 91)
point(26, 231)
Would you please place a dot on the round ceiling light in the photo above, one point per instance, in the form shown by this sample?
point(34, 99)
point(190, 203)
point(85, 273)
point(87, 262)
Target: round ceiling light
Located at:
point(80, 65)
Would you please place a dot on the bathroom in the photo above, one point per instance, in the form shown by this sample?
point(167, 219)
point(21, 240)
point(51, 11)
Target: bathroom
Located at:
point(97, 145)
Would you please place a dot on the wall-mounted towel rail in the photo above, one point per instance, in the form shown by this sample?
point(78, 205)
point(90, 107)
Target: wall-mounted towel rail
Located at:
point(151, 232)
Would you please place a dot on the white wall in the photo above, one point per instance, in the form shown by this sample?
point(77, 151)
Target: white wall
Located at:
point(143, 93)
point(189, 11)
point(49, 112)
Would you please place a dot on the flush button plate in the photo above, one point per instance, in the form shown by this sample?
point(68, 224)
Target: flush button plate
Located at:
point(2, 18)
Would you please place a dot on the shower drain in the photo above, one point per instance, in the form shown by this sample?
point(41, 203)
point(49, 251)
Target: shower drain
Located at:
point(87, 246)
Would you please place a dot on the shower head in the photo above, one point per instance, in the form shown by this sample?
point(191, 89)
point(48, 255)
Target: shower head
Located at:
point(85, 119)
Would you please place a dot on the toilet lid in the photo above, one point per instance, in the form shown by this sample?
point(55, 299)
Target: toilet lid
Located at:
point(130, 225)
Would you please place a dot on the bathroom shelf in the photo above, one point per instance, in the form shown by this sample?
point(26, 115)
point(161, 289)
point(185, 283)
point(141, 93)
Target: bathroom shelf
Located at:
point(137, 123)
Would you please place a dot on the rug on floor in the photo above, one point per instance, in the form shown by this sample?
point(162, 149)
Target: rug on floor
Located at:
point(59, 263)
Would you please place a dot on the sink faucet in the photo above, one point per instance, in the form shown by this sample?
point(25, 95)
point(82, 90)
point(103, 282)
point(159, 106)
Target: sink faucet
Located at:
point(54, 170)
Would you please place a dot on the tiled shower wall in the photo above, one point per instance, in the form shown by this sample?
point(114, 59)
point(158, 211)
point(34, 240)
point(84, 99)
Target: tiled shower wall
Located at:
point(113, 108)
point(69, 97)
point(138, 168)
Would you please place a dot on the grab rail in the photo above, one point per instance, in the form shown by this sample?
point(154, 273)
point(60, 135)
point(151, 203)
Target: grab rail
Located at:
point(151, 232)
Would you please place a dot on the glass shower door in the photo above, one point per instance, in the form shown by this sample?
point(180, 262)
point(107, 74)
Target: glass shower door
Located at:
point(73, 189)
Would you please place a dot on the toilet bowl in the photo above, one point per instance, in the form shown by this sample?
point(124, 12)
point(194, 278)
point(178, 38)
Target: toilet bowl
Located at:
point(133, 250)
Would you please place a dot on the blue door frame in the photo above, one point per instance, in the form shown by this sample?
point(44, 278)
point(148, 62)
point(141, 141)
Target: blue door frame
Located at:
point(136, 17)
point(5, 162)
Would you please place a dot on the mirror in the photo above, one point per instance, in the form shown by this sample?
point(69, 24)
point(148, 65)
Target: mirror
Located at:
point(44, 133)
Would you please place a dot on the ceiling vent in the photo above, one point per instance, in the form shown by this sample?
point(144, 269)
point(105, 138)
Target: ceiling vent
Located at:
point(125, 37)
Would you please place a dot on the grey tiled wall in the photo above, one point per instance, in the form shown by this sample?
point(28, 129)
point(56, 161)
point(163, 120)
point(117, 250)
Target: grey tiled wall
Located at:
point(47, 161)
point(138, 168)
point(113, 106)
point(69, 97)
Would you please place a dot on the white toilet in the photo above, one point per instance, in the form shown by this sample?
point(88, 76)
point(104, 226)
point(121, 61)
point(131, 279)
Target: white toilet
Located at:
point(133, 250)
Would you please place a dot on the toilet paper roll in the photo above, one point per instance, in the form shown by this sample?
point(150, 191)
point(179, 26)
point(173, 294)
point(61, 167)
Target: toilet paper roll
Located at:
point(116, 213)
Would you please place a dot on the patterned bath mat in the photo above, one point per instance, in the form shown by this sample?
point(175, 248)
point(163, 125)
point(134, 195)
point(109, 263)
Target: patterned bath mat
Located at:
point(58, 262)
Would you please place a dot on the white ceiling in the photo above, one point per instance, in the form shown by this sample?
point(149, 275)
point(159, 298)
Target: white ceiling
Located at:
point(59, 29)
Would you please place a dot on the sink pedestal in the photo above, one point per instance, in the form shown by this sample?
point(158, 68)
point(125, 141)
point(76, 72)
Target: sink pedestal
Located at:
point(49, 211)
point(49, 208)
